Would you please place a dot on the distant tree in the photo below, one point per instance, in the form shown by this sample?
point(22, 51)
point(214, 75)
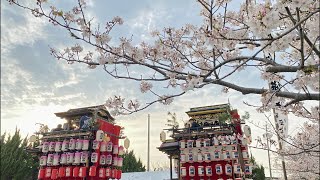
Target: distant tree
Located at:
point(257, 170)
point(172, 120)
point(16, 163)
point(131, 163)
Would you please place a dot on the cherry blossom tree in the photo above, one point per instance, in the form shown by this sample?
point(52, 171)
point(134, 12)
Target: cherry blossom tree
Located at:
point(303, 156)
point(278, 39)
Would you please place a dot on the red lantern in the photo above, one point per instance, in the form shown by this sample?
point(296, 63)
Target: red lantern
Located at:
point(48, 172)
point(41, 173)
point(119, 172)
point(108, 172)
point(93, 171)
point(62, 171)
point(113, 173)
point(75, 172)
point(102, 173)
point(54, 174)
point(68, 171)
point(83, 172)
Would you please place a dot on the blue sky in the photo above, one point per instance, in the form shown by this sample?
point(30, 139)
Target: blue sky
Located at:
point(34, 85)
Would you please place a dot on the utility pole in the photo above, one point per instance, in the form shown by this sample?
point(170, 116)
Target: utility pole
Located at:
point(267, 136)
point(148, 159)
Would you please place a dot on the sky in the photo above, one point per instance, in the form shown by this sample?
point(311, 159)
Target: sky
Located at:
point(34, 85)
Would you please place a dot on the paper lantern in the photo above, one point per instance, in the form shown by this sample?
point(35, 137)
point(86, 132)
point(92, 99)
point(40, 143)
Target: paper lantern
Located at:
point(245, 155)
point(109, 159)
point(95, 144)
point(115, 161)
point(94, 157)
point(208, 171)
point(198, 143)
point(192, 172)
point(182, 158)
point(190, 158)
point(108, 172)
point(162, 136)
point(228, 169)
point(56, 159)
point(121, 150)
point(102, 160)
point(247, 130)
point(207, 157)
point(78, 144)
point(58, 146)
point(85, 145)
point(50, 160)
point(126, 143)
point(99, 135)
point(190, 144)
point(72, 144)
point(119, 173)
point(45, 147)
point(182, 144)
point(62, 172)
point(237, 168)
point(102, 173)
point(48, 173)
point(63, 159)
point(115, 149)
point(183, 171)
point(244, 141)
point(70, 157)
point(113, 173)
point(52, 146)
point(41, 173)
point(77, 158)
point(248, 169)
point(227, 155)
point(206, 143)
point(84, 157)
point(54, 174)
point(65, 145)
point(200, 170)
point(235, 154)
point(215, 141)
point(69, 171)
point(83, 172)
point(93, 171)
point(43, 160)
point(103, 146)
point(120, 162)
point(200, 157)
point(216, 156)
point(219, 169)
point(75, 172)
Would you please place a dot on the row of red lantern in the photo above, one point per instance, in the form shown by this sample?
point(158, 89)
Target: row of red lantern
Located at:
point(207, 170)
point(218, 155)
point(78, 158)
point(55, 173)
point(81, 144)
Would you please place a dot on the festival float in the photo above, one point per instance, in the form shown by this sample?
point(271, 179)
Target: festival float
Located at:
point(213, 145)
point(86, 147)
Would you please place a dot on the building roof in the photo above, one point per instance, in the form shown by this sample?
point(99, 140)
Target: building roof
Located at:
point(100, 109)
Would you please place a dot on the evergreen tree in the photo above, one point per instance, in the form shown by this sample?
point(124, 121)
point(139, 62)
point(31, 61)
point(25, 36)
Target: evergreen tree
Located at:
point(257, 170)
point(131, 164)
point(16, 163)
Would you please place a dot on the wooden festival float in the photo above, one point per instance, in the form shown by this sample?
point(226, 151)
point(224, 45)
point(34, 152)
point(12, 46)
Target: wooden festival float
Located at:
point(86, 147)
point(211, 146)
